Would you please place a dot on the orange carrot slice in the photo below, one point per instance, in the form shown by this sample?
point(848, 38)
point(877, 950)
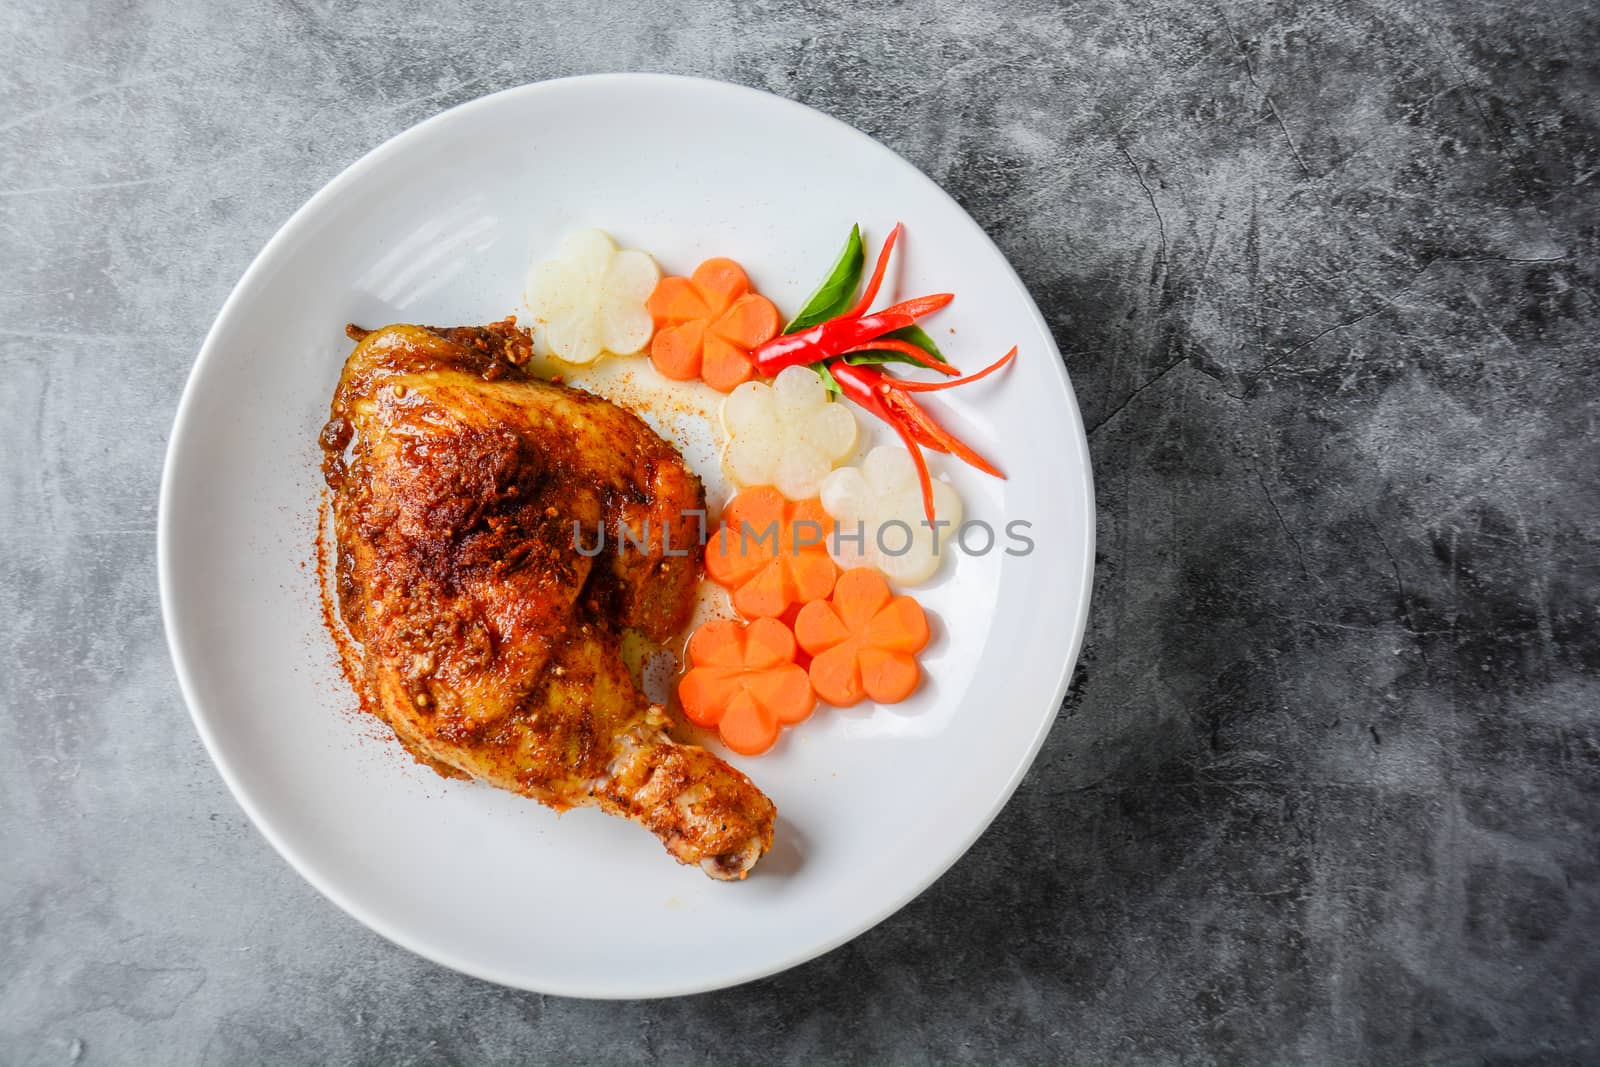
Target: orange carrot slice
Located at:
point(744, 681)
point(677, 300)
point(675, 350)
point(708, 323)
point(863, 641)
point(750, 321)
point(771, 553)
point(723, 364)
point(720, 281)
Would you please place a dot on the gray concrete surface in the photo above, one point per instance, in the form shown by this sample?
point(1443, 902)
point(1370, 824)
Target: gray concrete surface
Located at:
point(1327, 788)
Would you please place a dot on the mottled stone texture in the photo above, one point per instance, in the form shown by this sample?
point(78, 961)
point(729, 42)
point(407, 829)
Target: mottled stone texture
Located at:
point(1328, 785)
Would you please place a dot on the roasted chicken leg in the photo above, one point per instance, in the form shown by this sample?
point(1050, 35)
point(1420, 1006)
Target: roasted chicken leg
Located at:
point(462, 490)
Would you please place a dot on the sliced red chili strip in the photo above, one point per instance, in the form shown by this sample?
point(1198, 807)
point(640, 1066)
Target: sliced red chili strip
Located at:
point(924, 479)
point(919, 306)
point(929, 387)
point(905, 348)
point(902, 404)
point(871, 292)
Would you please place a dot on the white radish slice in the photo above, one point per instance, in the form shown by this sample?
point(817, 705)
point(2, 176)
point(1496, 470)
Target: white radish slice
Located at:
point(884, 493)
point(846, 494)
point(750, 409)
point(632, 275)
point(590, 298)
point(914, 566)
point(800, 471)
point(752, 459)
point(625, 324)
point(625, 330)
point(548, 298)
point(946, 506)
point(846, 551)
point(927, 548)
point(889, 470)
point(798, 390)
point(787, 434)
point(831, 431)
point(574, 336)
point(587, 254)
point(946, 509)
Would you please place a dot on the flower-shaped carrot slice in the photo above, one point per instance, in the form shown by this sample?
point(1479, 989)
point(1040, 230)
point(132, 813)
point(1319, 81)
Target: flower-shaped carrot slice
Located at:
point(863, 641)
point(707, 323)
point(745, 682)
point(771, 552)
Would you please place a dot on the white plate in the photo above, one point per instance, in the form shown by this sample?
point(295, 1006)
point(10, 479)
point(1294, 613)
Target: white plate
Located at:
point(439, 226)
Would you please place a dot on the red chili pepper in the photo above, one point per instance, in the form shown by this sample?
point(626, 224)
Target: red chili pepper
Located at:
point(870, 294)
point(824, 341)
point(837, 336)
point(905, 348)
point(883, 395)
point(890, 399)
point(919, 306)
point(854, 327)
point(933, 387)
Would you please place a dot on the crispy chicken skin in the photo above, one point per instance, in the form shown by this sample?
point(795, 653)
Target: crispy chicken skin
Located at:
point(489, 643)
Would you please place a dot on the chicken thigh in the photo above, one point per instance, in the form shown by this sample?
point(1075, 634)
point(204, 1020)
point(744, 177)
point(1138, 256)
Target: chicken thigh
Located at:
point(462, 492)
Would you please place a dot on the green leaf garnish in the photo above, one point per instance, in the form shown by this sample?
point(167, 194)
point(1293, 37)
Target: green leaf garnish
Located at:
point(837, 291)
point(913, 334)
point(829, 382)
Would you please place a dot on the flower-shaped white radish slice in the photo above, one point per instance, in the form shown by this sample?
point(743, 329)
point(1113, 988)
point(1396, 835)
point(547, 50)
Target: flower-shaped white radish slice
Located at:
point(787, 434)
point(882, 500)
point(589, 299)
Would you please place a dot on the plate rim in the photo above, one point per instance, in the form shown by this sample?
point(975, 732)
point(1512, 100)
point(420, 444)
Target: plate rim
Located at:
point(166, 564)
